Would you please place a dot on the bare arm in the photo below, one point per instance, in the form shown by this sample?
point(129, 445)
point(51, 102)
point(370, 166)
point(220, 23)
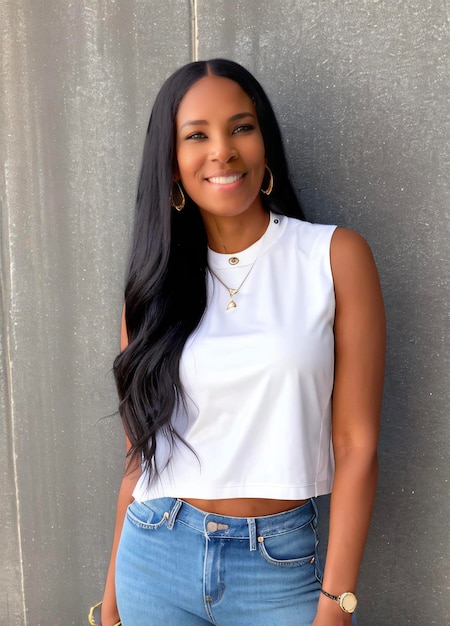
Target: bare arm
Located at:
point(110, 614)
point(359, 372)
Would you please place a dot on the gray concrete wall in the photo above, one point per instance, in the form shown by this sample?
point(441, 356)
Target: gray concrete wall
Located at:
point(361, 90)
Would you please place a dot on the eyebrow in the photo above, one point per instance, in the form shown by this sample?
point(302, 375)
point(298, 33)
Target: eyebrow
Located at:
point(233, 118)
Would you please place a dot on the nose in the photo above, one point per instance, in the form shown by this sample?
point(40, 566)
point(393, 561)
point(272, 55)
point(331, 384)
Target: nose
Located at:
point(223, 150)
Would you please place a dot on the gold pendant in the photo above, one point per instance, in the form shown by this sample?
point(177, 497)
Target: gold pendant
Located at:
point(231, 305)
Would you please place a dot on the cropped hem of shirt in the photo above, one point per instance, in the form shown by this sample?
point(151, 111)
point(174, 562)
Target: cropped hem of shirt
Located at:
point(218, 492)
point(257, 378)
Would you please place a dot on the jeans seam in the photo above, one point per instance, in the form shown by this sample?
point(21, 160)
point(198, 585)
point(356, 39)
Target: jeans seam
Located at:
point(145, 525)
point(304, 560)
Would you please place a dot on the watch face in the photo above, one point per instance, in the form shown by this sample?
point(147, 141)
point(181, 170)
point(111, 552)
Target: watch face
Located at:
point(348, 602)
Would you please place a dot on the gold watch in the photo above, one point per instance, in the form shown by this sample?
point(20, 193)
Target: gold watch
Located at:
point(347, 600)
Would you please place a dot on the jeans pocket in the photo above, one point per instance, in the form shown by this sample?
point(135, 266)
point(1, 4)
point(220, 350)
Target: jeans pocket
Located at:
point(142, 515)
point(291, 548)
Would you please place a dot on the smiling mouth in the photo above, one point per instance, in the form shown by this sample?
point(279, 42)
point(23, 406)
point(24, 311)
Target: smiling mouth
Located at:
point(225, 180)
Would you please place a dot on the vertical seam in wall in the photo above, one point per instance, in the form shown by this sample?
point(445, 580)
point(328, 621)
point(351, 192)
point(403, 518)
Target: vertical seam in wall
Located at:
point(5, 310)
point(6, 286)
point(194, 20)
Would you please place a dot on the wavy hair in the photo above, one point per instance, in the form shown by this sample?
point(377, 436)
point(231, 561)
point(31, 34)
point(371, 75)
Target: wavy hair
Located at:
point(165, 294)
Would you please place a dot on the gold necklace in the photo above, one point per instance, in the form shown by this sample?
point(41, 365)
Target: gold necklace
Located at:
point(232, 304)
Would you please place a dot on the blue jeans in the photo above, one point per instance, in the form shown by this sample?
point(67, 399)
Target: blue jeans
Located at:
point(179, 566)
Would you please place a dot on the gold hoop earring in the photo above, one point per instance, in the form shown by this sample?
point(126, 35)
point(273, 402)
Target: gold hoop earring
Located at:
point(180, 206)
point(269, 188)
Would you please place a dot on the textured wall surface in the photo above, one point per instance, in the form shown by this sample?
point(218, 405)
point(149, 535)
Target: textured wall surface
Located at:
point(361, 89)
point(78, 79)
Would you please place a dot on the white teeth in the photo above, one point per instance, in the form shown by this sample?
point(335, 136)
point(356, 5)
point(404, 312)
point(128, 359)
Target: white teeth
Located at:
point(225, 180)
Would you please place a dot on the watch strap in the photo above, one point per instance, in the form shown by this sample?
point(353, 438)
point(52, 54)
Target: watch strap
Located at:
point(325, 593)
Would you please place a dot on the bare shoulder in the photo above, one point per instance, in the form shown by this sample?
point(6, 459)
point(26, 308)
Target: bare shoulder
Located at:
point(348, 246)
point(352, 261)
point(359, 301)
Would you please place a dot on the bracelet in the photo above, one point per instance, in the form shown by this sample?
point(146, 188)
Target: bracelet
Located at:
point(91, 616)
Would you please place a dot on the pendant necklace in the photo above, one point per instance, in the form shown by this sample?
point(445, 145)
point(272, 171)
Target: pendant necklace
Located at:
point(232, 304)
point(234, 260)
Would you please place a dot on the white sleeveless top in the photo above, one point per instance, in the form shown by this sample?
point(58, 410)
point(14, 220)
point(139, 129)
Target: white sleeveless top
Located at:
point(258, 378)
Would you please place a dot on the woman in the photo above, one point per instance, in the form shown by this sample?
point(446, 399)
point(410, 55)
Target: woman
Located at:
point(250, 377)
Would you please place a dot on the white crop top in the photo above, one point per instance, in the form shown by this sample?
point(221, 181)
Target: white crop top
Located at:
point(258, 378)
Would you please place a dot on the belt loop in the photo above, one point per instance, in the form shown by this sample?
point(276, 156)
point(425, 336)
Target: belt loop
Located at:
point(173, 514)
point(252, 533)
point(316, 512)
point(205, 530)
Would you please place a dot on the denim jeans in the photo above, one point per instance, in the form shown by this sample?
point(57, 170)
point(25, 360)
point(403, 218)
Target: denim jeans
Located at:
point(179, 566)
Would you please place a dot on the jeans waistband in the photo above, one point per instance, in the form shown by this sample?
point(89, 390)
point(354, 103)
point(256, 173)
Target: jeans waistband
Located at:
point(227, 527)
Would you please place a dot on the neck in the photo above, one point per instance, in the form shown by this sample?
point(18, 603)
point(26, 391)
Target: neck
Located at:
point(230, 235)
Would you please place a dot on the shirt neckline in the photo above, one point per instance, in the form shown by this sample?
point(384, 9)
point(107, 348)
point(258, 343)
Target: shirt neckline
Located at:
point(221, 261)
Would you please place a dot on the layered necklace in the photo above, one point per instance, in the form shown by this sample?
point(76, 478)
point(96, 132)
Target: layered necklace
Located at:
point(233, 291)
point(235, 260)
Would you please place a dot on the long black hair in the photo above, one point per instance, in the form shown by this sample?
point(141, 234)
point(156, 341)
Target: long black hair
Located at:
point(165, 294)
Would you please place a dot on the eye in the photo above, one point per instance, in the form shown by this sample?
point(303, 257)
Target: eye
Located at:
point(243, 128)
point(196, 136)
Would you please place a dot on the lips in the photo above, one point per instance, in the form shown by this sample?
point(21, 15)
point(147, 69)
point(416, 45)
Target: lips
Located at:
point(225, 179)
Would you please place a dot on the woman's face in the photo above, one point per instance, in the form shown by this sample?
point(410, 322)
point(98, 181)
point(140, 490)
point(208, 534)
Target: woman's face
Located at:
point(220, 148)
